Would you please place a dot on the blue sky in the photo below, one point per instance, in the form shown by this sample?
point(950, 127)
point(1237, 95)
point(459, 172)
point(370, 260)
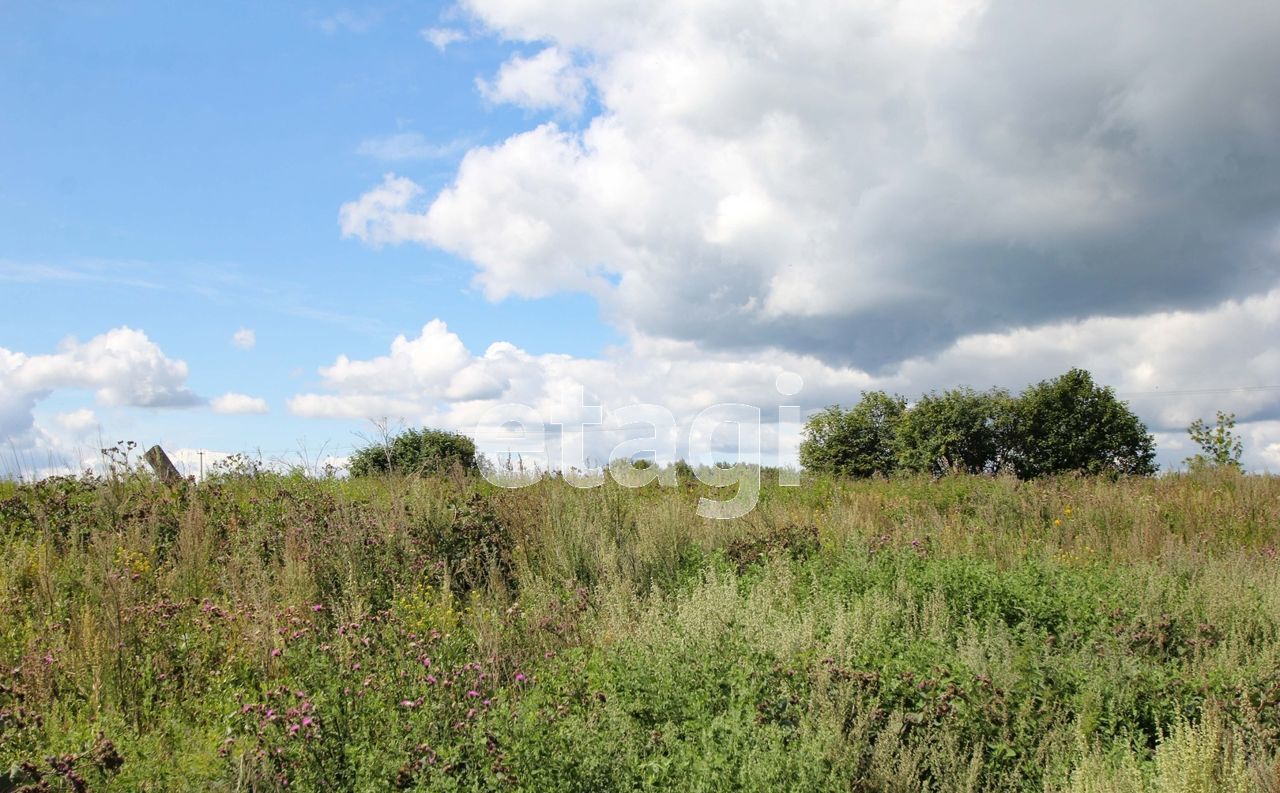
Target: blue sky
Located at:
point(178, 168)
point(424, 211)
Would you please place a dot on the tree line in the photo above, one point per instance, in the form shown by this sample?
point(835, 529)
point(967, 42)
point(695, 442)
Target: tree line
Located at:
point(1061, 425)
point(1067, 424)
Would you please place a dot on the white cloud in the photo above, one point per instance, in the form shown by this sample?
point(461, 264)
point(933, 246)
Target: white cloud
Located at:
point(1151, 361)
point(548, 80)
point(238, 404)
point(122, 367)
point(381, 215)
point(245, 339)
point(868, 182)
point(441, 38)
point(77, 422)
point(407, 146)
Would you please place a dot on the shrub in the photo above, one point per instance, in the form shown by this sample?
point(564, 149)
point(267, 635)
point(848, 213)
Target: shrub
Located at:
point(1069, 424)
point(1219, 445)
point(416, 452)
point(857, 442)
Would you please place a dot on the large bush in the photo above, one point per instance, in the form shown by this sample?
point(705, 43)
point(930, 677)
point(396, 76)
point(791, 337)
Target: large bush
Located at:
point(958, 430)
point(1063, 425)
point(416, 452)
point(855, 442)
point(1069, 424)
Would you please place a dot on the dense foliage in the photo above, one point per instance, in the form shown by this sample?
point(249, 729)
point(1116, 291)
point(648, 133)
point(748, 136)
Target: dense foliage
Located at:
point(854, 442)
point(1064, 425)
point(1070, 424)
point(435, 633)
point(416, 452)
point(958, 430)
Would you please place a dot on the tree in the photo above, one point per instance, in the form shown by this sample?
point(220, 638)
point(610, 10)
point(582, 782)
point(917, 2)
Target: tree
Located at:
point(1219, 445)
point(959, 429)
point(416, 452)
point(856, 442)
point(1069, 424)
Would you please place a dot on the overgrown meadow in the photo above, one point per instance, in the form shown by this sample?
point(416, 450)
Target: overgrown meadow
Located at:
point(261, 632)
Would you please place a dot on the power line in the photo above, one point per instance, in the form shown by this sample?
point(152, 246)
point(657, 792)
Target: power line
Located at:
point(1195, 391)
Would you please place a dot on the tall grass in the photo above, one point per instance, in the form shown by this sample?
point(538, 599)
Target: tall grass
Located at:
point(263, 631)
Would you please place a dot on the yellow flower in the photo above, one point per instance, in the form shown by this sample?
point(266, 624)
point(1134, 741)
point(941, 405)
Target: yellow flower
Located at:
point(1057, 521)
point(1066, 511)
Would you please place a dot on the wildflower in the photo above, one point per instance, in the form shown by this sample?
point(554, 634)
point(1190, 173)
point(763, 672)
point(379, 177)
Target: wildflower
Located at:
point(293, 729)
point(317, 607)
point(431, 680)
point(1057, 521)
point(307, 721)
point(473, 693)
point(408, 704)
point(275, 653)
point(520, 678)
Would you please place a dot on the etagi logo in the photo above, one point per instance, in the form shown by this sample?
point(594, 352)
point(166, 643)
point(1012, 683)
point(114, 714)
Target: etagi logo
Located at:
point(519, 434)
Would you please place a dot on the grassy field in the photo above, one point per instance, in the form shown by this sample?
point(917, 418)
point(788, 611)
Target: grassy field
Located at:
point(261, 632)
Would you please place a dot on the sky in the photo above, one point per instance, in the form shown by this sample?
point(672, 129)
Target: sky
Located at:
point(263, 227)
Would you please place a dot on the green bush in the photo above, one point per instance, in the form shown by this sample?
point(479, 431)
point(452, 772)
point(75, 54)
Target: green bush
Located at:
point(1064, 425)
point(1070, 425)
point(416, 452)
point(1219, 445)
point(855, 442)
point(958, 430)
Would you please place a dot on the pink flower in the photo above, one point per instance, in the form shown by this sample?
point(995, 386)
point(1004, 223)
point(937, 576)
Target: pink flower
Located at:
point(408, 703)
point(48, 659)
point(307, 721)
point(520, 678)
point(431, 679)
point(275, 653)
point(317, 607)
point(473, 693)
point(293, 729)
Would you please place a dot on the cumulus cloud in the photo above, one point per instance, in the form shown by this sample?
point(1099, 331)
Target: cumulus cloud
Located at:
point(245, 339)
point(232, 403)
point(441, 38)
point(1151, 361)
point(122, 367)
point(548, 80)
point(869, 182)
